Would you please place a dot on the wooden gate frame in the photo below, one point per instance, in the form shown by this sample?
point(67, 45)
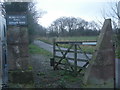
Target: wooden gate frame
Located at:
point(77, 49)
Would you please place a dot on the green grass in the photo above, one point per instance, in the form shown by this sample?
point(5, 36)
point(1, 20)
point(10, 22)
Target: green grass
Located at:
point(118, 52)
point(70, 78)
point(33, 49)
point(87, 49)
point(46, 39)
point(66, 78)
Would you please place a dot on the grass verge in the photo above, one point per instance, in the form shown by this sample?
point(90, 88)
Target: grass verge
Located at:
point(33, 49)
point(118, 52)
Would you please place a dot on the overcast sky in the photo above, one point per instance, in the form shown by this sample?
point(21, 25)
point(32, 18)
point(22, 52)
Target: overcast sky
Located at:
point(86, 9)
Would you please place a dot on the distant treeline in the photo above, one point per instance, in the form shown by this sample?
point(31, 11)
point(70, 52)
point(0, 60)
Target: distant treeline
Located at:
point(70, 26)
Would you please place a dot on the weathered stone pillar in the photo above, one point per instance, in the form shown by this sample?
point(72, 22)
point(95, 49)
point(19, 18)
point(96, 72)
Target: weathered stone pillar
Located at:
point(101, 67)
point(17, 47)
point(17, 41)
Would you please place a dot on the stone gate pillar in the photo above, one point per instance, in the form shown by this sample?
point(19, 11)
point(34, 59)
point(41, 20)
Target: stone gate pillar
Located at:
point(17, 35)
point(101, 69)
point(17, 43)
point(17, 47)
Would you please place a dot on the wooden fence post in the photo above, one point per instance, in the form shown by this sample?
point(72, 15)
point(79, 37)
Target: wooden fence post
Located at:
point(54, 52)
point(52, 62)
point(75, 59)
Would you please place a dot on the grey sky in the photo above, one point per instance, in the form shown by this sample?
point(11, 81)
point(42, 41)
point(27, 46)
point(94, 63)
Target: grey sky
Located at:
point(85, 9)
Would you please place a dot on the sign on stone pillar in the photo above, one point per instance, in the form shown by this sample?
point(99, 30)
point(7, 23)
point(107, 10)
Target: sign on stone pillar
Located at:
point(101, 67)
point(17, 35)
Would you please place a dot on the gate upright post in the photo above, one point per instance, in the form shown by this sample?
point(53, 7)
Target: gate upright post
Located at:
point(75, 59)
point(54, 52)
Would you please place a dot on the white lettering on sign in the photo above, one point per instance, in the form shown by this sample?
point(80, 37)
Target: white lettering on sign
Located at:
point(16, 20)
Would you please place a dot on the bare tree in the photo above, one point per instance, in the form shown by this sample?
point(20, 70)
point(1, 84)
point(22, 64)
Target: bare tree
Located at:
point(71, 24)
point(33, 25)
point(81, 23)
point(114, 14)
point(59, 25)
point(93, 25)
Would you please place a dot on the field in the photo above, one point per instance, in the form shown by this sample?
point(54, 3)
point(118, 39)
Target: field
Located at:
point(87, 49)
point(50, 39)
